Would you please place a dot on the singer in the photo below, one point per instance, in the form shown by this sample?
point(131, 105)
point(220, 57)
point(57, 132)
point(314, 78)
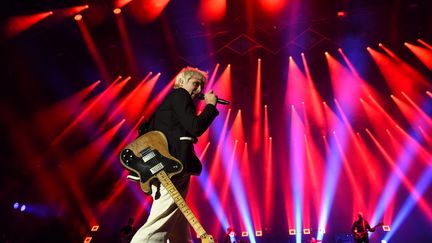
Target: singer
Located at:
point(176, 117)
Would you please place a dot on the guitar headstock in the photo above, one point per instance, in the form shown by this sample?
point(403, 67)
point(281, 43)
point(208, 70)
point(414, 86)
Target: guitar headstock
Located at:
point(378, 225)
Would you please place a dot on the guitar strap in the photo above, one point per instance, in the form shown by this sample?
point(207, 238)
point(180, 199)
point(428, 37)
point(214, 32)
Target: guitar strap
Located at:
point(146, 125)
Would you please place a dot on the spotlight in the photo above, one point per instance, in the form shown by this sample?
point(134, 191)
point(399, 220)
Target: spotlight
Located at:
point(383, 241)
point(306, 231)
point(258, 233)
point(321, 231)
point(245, 233)
point(292, 232)
point(117, 10)
point(16, 205)
point(23, 207)
point(95, 228)
point(78, 17)
point(386, 227)
point(341, 14)
point(87, 239)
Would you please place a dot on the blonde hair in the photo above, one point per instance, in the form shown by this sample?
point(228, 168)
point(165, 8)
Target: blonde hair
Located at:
point(189, 72)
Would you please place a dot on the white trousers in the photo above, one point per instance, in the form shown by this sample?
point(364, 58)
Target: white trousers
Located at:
point(166, 222)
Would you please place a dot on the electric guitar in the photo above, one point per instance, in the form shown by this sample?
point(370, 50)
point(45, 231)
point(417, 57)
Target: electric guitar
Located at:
point(360, 235)
point(148, 158)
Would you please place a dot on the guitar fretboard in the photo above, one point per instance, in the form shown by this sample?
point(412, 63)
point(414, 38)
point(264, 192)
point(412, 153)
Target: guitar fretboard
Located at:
point(181, 204)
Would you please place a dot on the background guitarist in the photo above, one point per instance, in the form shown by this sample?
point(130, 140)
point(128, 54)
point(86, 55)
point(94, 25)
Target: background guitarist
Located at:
point(360, 229)
point(176, 117)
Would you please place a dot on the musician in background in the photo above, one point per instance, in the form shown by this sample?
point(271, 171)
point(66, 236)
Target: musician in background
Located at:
point(360, 229)
point(127, 231)
point(229, 236)
point(177, 118)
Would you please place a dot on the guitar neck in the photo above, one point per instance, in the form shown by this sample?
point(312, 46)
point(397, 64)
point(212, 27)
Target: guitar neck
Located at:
point(181, 204)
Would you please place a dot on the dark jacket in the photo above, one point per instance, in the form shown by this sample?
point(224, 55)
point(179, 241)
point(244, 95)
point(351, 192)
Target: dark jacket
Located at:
point(176, 117)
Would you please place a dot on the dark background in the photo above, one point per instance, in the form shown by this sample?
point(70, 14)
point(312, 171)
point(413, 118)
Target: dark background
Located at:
point(50, 62)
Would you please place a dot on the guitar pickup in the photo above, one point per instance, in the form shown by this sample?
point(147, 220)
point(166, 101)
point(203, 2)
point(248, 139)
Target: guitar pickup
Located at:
point(148, 156)
point(156, 168)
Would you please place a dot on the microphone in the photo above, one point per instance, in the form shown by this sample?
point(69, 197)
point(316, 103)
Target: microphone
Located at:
point(220, 101)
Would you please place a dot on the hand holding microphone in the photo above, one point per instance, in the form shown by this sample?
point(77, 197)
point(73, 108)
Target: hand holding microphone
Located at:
point(211, 98)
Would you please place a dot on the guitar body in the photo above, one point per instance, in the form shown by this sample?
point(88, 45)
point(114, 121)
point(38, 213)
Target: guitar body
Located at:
point(149, 158)
point(360, 235)
point(148, 155)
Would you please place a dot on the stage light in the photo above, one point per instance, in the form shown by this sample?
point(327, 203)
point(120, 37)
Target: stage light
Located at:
point(322, 231)
point(341, 14)
point(386, 227)
point(16, 205)
point(245, 233)
point(95, 228)
point(292, 232)
point(117, 11)
point(87, 239)
point(23, 208)
point(258, 233)
point(306, 231)
point(383, 241)
point(78, 17)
